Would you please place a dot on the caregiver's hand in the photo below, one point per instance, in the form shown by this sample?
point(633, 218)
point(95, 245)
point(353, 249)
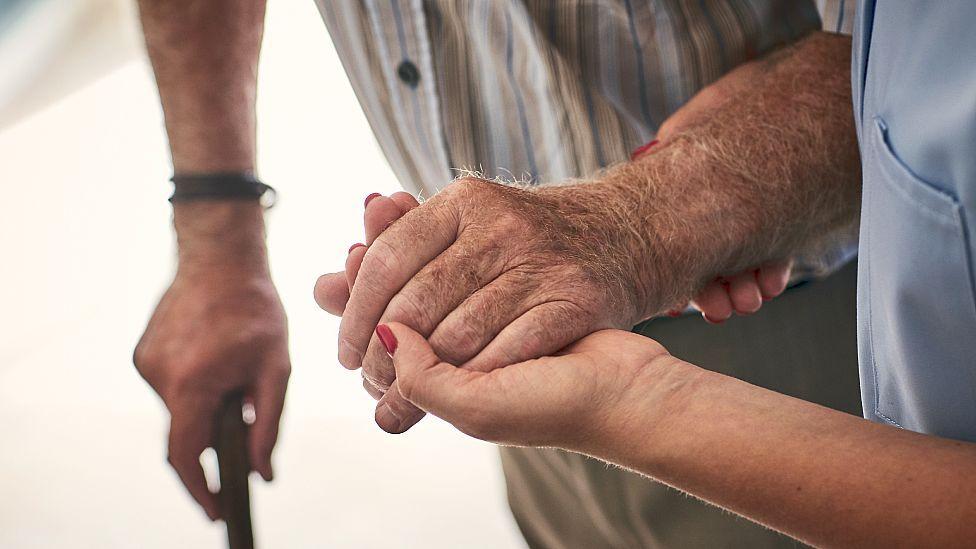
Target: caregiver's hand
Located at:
point(578, 400)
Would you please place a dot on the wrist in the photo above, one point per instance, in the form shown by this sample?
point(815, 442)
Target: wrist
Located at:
point(610, 215)
point(641, 427)
point(221, 236)
point(676, 233)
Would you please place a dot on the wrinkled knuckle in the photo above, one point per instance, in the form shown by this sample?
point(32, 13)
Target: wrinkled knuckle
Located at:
point(380, 378)
point(470, 192)
point(508, 224)
point(461, 343)
point(379, 264)
point(412, 309)
point(531, 341)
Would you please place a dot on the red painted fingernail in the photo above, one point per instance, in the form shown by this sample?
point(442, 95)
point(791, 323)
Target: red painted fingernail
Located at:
point(370, 197)
point(387, 338)
point(642, 149)
point(356, 245)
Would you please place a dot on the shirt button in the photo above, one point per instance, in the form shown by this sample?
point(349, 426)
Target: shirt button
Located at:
point(409, 73)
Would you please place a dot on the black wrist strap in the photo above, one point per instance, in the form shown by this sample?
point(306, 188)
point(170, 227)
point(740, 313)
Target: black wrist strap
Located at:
point(221, 186)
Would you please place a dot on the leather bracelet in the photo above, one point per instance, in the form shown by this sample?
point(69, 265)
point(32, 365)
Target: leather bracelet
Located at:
point(221, 186)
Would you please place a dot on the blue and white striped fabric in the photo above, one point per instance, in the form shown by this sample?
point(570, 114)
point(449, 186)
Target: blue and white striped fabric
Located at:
point(542, 91)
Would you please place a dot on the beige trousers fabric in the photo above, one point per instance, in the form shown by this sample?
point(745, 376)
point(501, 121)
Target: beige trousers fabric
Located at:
point(801, 344)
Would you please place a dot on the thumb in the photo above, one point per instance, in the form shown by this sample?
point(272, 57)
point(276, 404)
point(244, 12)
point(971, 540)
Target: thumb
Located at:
point(423, 378)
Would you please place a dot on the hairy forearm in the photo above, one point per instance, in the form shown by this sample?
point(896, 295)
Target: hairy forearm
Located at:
point(204, 54)
point(822, 476)
point(761, 165)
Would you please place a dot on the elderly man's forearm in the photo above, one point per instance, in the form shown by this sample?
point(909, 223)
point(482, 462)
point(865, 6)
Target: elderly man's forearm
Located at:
point(205, 56)
point(822, 476)
point(762, 164)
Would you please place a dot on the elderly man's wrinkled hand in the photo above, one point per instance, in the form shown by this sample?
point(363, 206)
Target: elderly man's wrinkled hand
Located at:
point(492, 275)
point(213, 333)
point(332, 292)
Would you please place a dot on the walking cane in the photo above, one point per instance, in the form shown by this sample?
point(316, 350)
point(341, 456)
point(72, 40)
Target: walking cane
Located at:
point(234, 498)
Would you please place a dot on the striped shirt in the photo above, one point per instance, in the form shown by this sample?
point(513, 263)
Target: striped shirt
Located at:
point(540, 90)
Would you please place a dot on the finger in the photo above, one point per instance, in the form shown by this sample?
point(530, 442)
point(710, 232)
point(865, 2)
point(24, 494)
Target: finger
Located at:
point(332, 292)
point(430, 296)
point(269, 400)
point(773, 278)
point(379, 214)
point(392, 260)
point(473, 324)
point(714, 303)
point(191, 429)
point(406, 201)
point(372, 389)
point(424, 379)
point(543, 330)
point(465, 332)
point(743, 291)
point(354, 262)
point(395, 414)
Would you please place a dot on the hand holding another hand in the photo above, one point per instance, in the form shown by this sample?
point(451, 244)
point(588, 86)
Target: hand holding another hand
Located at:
point(581, 399)
point(743, 293)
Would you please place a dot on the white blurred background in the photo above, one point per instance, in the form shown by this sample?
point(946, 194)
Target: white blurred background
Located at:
point(86, 251)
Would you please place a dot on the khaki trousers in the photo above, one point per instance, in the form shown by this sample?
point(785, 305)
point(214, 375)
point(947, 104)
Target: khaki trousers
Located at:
point(801, 344)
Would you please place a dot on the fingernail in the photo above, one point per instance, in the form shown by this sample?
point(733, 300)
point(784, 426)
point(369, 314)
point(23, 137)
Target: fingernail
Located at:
point(642, 149)
point(387, 339)
point(370, 197)
point(674, 314)
point(356, 245)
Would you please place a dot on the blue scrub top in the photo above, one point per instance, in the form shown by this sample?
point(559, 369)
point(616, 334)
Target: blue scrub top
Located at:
point(914, 84)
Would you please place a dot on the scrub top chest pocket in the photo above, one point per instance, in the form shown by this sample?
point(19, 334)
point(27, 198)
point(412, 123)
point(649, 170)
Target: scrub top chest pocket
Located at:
point(919, 303)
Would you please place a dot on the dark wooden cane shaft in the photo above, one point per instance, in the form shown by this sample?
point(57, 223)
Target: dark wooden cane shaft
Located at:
point(234, 497)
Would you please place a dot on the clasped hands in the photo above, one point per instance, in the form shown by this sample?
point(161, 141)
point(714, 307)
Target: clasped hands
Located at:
point(506, 311)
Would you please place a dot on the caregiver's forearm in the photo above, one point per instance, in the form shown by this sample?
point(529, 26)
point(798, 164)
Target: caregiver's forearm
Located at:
point(822, 476)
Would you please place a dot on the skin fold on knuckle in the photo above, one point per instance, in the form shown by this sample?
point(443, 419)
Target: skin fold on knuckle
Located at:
point(377, 367)
point(414, 308)
point(379, 265)
point(462, 341)
point(380, 381)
